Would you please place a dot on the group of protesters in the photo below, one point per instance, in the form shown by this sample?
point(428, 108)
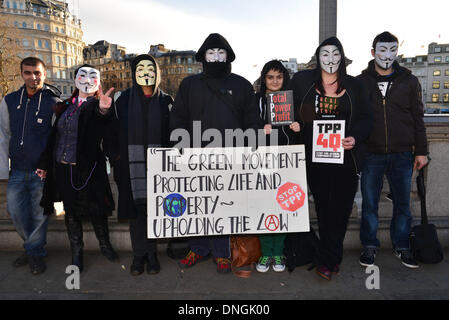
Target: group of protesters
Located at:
point(53, 150)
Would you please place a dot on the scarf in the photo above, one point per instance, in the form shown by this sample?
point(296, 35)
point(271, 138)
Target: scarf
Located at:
point(144, 131)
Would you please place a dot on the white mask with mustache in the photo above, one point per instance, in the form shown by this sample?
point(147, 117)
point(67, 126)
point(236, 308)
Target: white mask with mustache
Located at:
point(146, 73)
point(87, 80)
point(385, 53)
point(330, 58)
point(216, 55)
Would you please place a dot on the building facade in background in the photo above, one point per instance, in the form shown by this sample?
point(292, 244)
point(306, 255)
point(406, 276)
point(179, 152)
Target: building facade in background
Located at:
point(50, 32)
point(432, 70)
point(175, 66)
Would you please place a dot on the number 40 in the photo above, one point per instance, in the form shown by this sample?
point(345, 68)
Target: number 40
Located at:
point(333, 142)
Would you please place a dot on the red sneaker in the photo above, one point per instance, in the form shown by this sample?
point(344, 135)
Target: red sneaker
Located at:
point(324, 273)
point(191, 259)
point(223, 265)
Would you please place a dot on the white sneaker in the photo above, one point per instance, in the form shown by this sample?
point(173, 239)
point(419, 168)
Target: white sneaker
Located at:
point(278, 264)
point(264, 264)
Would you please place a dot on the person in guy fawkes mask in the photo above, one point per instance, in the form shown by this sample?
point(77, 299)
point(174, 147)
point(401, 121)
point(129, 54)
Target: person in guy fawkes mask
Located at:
point(397, 146)
point(74, 164)
point(328, 93)
point(220, 100)
point(141, 122)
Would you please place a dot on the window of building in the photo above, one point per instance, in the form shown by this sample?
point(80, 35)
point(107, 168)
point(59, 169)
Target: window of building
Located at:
point(436, 85)
point(435, 97)
point(46, 27)
point(25, 42)
point(62, 46)
point(189, 70)
point(446, 84)
point(47, 44)
point(24, 25)
point(58, 60)
point(419, 59)
point(437, 49)
point(57, 46)
point(437, 73)
point(437, 59)
point(447, 49)
point(56, 29)
point(39, 27)
point(189, 60)
point(409, 60)
point(16, 24)
point(446, 97)
point(64, 74)
point(62, 30)
point(446, 73)
point(39, 43)
point(64, 90)
point(447, 58)
point(7, 4)
point(14, 5)
point(58, 75)
point(64, 60)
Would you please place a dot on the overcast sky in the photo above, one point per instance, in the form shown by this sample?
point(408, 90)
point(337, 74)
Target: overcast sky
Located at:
point(259, 31)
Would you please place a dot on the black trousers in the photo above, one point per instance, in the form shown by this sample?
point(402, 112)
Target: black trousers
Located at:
point(140, 243)
point(333, 188)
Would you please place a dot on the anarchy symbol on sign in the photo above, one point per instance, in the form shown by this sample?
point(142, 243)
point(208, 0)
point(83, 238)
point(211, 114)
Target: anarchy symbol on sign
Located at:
point(272, 223)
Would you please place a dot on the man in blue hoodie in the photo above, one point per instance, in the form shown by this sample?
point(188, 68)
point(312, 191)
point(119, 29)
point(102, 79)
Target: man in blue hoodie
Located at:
point(25, 125)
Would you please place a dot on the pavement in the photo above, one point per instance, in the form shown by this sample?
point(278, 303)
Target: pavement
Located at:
point(104, 280)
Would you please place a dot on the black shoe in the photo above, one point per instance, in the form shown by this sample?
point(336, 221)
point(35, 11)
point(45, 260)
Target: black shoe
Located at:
point(78, 259)
point(138, 265)
point(153, 266)
point(21, 261)
point(109, 253)
point(407, 258)
point(367, 257)
point(37, 265)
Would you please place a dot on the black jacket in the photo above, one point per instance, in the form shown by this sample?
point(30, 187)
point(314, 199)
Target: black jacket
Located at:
point(116, 145)
point(205, 99)
point(91, 130)
point(358, 121)
point(398, 119)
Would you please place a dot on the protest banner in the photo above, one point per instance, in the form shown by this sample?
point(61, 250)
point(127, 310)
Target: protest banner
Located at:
point(327, 141)
point(223, 191)
point(280, 108)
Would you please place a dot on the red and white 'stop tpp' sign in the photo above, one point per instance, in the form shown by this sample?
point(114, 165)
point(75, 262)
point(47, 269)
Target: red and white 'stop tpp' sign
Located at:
point(290, 197)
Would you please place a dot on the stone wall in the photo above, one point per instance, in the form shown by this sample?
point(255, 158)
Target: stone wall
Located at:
point(437, 182)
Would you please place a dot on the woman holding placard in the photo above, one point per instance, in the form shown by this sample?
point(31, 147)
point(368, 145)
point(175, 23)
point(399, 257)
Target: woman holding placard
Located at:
point(274, 79)
point(335, 119)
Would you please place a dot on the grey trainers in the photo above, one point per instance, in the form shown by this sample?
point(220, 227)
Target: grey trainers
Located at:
point(278, 264)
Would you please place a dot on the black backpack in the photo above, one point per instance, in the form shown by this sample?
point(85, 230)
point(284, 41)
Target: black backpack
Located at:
point(424, 242)
point(300, 248)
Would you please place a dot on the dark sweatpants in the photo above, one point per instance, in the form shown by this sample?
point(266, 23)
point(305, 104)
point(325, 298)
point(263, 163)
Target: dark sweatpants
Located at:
point(333, 190)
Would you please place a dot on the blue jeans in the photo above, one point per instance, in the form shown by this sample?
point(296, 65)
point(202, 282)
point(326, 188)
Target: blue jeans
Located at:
point(23, 195)
point(398, 168)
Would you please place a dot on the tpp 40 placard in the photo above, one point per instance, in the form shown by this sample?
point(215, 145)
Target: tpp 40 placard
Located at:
point(327, 141)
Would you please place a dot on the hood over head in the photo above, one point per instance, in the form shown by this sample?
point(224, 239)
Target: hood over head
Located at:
point(215, 40)
point(134, 64)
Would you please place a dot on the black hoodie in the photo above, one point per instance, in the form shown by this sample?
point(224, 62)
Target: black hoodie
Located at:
point(219, 102)
point(398, 119)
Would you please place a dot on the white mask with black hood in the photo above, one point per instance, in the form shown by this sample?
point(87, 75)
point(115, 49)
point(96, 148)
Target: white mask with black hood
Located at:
point(216, 56)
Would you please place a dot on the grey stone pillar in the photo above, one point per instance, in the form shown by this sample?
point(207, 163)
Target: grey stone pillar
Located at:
point(328, 19)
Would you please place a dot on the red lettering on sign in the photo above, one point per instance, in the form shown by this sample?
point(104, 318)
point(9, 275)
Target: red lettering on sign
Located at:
point(290, 197)
point(272, 223)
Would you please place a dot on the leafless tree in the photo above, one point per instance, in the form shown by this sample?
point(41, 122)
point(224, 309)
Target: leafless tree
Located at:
point(9, 57)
